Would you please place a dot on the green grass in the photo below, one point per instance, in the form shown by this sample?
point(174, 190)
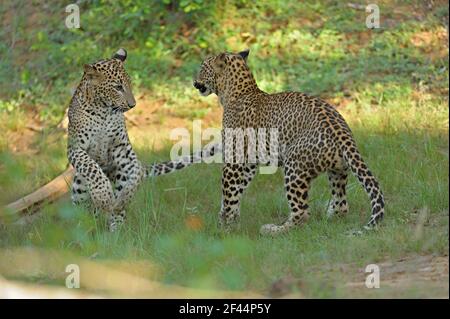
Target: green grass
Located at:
point(392, 91)
point(411, 167)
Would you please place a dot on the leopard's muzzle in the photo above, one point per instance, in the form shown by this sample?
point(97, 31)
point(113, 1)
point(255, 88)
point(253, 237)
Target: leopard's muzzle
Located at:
point(199, 86)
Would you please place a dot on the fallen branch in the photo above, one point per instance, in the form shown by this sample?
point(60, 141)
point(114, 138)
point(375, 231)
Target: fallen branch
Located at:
point(47, 193)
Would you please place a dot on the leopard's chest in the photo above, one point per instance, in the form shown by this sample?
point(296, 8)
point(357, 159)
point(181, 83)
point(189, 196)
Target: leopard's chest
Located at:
point(106, 135)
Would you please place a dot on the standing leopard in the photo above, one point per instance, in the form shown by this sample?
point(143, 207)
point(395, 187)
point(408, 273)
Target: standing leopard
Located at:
point(107, 170)
point(313, 138)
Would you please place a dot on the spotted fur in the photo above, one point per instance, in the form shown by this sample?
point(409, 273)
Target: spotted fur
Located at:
point(107, 170)
point(313, 138)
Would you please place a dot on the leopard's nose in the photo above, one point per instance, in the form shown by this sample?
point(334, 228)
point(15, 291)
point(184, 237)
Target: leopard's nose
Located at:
point(197, 85)
point(131, 101)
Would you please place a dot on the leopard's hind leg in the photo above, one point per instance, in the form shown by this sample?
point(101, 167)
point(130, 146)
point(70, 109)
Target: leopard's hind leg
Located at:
point(338, 182)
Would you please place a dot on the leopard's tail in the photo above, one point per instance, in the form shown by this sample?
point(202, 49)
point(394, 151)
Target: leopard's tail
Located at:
point(167, 167)
point(359, 168)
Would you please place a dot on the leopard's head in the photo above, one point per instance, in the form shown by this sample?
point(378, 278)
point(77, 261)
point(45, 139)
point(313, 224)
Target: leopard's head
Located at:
point(216, 70)
point(110, 83)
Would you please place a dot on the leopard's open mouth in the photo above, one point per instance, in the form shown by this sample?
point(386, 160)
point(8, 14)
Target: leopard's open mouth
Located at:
point(201, 87)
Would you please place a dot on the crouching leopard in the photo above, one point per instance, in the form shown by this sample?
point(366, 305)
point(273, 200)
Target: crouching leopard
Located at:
point(107, 170)
point(312, 138)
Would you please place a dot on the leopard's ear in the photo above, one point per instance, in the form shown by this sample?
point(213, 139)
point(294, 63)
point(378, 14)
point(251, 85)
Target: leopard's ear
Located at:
point(244, 54)
point(222, 57)
point(92, 74)
point(220, 62)
point(121, 55)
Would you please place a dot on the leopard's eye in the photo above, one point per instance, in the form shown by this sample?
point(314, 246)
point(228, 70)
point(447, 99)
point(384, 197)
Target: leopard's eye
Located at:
point(119, 87)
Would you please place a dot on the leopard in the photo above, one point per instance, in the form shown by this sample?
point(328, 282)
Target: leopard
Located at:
point(313, 138)
point(107, 169)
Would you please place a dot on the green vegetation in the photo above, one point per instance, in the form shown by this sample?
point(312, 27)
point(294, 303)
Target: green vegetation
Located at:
point(391, 84)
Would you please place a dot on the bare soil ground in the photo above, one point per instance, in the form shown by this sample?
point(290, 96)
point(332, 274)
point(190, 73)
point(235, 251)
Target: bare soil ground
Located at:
point(419, 276)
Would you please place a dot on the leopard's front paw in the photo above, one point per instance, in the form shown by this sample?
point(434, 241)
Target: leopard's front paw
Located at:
point(115, 221)
point(112, 227)
point(228, 224)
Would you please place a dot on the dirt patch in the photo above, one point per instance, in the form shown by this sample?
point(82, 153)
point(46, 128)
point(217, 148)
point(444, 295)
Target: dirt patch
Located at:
point(433, 44)
point(21, 142)
point(413, 272)
point(21, 138)
point(151, 122)
point(419, 276)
